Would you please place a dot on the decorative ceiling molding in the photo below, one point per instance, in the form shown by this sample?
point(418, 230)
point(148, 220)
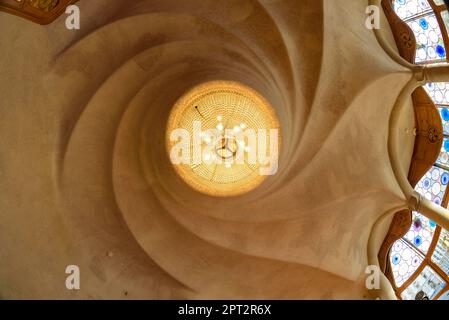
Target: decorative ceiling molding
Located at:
point(38, 11)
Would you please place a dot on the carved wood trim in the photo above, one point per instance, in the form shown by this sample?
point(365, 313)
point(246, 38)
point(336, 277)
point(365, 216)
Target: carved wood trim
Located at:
point(398, 228)
point(403, 35)
point(429, 135)
point(38, 11)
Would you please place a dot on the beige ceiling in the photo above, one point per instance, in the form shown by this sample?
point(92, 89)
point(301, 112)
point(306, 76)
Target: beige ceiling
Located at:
point(83, 181)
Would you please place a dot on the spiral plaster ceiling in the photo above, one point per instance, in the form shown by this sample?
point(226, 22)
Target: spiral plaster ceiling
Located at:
point(86, 178)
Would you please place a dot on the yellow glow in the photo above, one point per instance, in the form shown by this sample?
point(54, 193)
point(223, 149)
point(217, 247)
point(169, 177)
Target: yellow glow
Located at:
point(222, 106)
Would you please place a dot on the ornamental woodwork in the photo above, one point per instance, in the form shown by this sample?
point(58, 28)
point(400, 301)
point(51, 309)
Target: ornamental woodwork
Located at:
point(39, 11)
point(429, 136)
point(399, 226)
point(403, 35)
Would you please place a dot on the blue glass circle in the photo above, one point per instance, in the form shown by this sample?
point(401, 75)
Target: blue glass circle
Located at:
point(441, 51)
point(445, 114)
point(396, 259)
point(432, 224)
point(445, 178)
point(423, 23)
point(426, 183)
point(417, 241)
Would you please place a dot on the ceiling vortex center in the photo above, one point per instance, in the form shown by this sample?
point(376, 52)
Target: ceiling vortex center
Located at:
point(223, 138)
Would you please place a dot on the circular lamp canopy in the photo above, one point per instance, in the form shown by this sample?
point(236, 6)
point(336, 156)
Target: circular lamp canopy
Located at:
point(223, 138)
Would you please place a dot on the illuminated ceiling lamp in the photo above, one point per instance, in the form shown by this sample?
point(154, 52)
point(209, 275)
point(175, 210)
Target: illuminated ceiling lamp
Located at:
point(223, 138)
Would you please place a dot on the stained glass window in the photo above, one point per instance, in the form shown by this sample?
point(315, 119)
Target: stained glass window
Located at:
point(427, 284)
point(441, 254)
point(404, 261)
point(419, 16)
point(433, 185)
point(430, 44)
point(439, 92)
point(407, 9)
point(444, 113)
point(420, 262)
point(409, 253)
point(421, 232)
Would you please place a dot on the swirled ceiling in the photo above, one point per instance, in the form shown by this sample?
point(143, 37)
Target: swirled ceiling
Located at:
point(86, 178)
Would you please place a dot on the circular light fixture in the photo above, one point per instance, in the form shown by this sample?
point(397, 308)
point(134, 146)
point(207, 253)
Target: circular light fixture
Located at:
point(223, 138)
